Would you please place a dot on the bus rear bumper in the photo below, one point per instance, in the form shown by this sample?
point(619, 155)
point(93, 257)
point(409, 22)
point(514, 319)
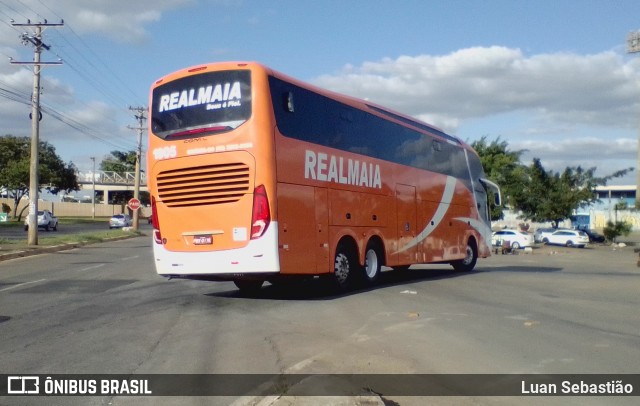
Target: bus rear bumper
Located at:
point(258, 257)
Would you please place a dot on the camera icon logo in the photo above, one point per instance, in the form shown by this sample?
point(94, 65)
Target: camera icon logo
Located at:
point(23, 385)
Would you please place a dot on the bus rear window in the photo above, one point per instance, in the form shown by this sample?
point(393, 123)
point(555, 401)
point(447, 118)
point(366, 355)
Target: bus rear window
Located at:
point(201, 104)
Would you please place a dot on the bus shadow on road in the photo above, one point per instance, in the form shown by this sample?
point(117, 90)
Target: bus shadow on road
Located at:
point(519, 269)
point(322, 288)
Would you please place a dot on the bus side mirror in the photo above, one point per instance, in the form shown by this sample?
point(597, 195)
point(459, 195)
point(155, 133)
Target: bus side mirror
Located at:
point(494, 189)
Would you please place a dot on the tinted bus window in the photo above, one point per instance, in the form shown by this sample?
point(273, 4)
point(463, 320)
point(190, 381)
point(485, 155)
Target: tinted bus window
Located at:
point(308, 116)
point(199, 104)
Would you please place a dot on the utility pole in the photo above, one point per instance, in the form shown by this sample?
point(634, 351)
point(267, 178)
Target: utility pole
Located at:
point(93, 183)
point(35, 39)
point(136, 186)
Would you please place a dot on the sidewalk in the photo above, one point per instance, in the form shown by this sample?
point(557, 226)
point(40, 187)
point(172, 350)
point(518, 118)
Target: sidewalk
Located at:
point(12, 251)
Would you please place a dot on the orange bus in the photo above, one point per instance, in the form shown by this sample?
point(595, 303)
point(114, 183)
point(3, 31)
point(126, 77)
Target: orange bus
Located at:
point(255, 176)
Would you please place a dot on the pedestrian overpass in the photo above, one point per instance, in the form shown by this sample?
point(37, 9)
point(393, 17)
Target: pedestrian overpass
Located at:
point(109, 181)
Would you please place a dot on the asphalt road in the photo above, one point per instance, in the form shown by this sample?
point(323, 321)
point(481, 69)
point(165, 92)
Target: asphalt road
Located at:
point(102, 309)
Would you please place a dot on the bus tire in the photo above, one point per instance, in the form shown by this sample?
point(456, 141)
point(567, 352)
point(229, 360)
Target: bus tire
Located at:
point(248, 286)
point(344, 266)
point(469, 261)
point(372, 263)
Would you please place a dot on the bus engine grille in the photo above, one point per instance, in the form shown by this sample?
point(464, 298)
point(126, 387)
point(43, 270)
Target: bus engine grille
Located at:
point(202, 185)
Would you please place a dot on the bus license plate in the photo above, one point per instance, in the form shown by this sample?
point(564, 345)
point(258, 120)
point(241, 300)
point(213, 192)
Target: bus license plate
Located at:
point(202, 239)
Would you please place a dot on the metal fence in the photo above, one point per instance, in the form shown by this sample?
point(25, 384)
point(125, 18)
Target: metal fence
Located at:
point(72, 209)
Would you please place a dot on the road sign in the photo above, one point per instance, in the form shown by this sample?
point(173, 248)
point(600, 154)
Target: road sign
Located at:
point(133, 204)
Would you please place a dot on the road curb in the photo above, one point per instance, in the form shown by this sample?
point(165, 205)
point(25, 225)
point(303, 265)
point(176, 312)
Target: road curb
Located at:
point(56, 248)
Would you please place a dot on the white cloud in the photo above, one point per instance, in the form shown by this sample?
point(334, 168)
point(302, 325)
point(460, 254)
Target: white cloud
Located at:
point(600, 148)
point(90, 125)
point(557, 96)
point(600, 89)
point(122, 20)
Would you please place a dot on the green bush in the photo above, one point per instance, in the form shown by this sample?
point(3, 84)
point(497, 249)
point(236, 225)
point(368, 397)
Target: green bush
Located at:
point(615, 230)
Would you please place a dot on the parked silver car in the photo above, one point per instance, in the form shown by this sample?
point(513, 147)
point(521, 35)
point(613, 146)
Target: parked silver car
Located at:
point(120, 220)
point(542, 234)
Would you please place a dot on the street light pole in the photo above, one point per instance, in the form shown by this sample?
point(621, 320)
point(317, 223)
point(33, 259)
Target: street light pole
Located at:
point(93, 183)
point(633, 46)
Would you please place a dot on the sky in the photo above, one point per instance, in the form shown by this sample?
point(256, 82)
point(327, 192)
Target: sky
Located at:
point(552, 78)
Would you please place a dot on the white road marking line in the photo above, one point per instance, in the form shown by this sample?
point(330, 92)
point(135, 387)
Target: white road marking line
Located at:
point(90, 268)
point(128, 258)
point(21, 284)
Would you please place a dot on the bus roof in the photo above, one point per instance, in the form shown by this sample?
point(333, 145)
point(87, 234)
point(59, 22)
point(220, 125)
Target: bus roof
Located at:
point(361, 104)
point(372, 108)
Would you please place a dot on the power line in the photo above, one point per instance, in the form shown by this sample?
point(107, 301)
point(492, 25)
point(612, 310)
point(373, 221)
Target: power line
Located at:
point(34, 178)
point(77, 57)
point(32, 10)
point(14, 10)
point(16, 95)
point(108, 71)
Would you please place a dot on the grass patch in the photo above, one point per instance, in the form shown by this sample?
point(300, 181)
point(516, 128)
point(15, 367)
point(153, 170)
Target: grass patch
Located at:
point(62, 220)
point(83, 220)
point(10, 223)
point(71, 239)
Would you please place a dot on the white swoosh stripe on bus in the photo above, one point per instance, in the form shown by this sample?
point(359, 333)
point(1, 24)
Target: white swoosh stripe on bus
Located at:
point(447, 196)
point(479, 226)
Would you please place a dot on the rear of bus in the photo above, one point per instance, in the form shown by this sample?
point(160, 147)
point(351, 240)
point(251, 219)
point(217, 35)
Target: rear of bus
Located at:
point(211, 173)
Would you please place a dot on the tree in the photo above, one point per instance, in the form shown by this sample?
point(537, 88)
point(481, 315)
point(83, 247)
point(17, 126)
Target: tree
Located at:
point(539, 195)
point(119, 162)
point(54, 174)
point(503, 167)
point(553, 196)
point(615, 230)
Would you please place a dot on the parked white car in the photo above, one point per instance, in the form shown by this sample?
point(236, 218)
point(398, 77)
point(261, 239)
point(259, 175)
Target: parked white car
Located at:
point(569, 238)
point(46, 220)
point(517, 239)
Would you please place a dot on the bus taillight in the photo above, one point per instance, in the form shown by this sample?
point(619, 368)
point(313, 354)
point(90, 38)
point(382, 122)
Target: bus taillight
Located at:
point(261, 216)
point(157, 236)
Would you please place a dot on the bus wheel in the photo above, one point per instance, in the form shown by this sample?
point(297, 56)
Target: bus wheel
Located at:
point(372, 264)
point(469, 261)
point(248, 286)
point(343, 267)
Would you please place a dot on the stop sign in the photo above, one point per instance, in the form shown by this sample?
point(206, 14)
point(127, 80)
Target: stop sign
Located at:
point(133, 204)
